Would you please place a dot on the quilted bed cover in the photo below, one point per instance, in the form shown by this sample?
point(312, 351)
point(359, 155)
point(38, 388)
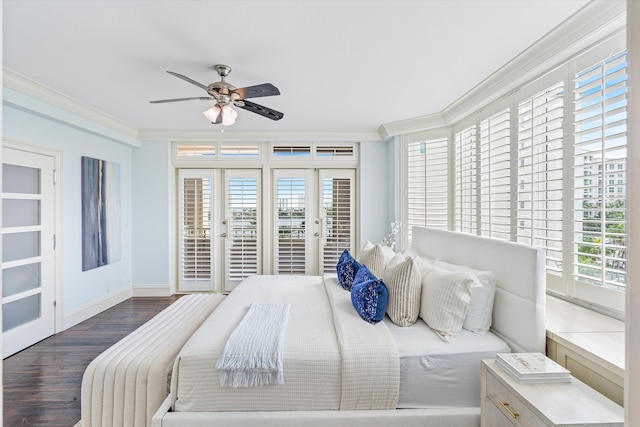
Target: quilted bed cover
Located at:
point(333, 360)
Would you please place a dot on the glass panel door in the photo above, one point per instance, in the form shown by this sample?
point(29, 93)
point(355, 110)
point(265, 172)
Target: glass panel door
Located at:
point(243, 215)
point(195, 252)
point(337, 214)
point(28, 249)
point(292, 251)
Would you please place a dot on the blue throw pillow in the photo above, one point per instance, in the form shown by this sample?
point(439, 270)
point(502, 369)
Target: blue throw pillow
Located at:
point(347, 268)
point(369, 297)
point(363, 274)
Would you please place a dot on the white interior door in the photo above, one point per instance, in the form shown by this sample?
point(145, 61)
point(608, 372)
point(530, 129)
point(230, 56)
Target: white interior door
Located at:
point(28, 292)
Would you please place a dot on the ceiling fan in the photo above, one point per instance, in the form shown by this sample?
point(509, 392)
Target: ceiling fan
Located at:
point(227, 96)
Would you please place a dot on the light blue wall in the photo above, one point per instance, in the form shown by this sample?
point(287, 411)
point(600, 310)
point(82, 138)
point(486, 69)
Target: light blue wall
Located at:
point(22, 124)
point(151, 208)
point(375, 204)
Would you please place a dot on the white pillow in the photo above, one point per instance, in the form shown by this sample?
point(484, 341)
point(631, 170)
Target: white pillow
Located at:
point(396, 260)
point(480, 312)
point(404, 287)
point(423, 264)
point(376, 257)
point(445, 300)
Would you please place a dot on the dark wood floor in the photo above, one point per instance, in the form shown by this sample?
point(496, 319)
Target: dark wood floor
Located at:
point(41, 384)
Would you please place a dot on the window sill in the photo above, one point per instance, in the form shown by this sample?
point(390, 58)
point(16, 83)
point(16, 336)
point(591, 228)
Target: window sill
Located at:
point(589, 344)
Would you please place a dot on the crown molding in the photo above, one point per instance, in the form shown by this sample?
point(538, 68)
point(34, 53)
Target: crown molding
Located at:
point(597, 20)
point(262, 136)
point(108, 126)
point(401, 127)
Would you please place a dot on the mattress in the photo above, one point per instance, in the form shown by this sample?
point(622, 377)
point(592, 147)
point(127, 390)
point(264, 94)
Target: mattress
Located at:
point(434, 373)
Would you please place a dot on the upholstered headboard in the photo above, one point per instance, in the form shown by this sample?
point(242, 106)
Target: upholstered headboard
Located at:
point(519, 270)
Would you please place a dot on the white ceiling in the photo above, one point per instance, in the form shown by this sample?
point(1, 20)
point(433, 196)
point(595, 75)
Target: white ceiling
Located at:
point(340, 65)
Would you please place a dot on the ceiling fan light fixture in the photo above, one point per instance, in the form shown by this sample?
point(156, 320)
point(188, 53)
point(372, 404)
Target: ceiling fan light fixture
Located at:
point(229, 115)
point(212, 113)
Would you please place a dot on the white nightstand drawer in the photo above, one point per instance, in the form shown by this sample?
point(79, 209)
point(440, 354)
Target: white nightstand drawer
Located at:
point(542, 404)
point(494, 417)
point(509, 405)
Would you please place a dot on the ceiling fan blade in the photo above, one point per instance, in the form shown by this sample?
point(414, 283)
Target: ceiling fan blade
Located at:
point(263, 111)
point(200, 98)
point(265, 89)
point(187, 79)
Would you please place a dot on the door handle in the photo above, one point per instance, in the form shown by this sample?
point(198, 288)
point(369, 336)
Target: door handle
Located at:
point(223, 235)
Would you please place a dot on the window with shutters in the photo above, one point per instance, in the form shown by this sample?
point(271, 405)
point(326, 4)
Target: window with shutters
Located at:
point(495, 176)
point(540, 173)
point(546, 166)
point(601, 147)
point(427, 184)
point(466, 181)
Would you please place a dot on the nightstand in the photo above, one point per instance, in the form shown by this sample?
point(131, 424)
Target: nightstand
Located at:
point(506, 402)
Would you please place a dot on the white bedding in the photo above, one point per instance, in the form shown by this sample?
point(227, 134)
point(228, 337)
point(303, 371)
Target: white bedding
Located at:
point(434, 373)
point(323, 353)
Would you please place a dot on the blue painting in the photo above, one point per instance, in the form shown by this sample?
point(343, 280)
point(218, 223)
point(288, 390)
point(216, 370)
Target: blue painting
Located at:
point(100, 213)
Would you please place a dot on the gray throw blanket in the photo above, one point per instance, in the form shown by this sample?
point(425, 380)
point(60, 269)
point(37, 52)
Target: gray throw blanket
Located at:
point(253, 354)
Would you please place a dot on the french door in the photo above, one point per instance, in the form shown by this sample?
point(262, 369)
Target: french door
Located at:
point(313, 219)
point(28, 291)
point(220, 224)
point(219, 228)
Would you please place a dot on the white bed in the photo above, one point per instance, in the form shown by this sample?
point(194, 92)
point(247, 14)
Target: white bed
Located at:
point(518, 324)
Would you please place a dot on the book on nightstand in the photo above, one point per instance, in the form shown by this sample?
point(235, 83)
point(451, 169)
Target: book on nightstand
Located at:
point(532, 368)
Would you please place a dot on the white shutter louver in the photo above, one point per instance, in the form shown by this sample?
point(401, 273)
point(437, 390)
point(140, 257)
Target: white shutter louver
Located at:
point(337, 194)
point(334, 151)
point(600, 173)
point(540, 173)
point(291, 226)
point(292, 150)
point(466, 180)
point(243, 216)
point(240, 150)
point(195, 195)
point(195, 151)
point(427, 184)
point(495, 176)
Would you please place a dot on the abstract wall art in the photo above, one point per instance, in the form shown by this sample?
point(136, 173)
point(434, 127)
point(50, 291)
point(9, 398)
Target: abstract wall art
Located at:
point(100, 213)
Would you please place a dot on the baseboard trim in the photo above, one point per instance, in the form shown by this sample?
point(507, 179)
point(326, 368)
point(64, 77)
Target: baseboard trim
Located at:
point(81, 314)
point(151, 290)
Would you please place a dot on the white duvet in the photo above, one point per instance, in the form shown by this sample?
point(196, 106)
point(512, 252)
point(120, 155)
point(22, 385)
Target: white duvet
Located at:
point(333, 360)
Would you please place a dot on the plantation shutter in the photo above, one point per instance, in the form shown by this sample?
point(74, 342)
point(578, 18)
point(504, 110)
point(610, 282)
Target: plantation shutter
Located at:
point(194, 230)
point(336, 215)
point(600, 173)
point(242, 217)
point(291, 222)
point(427, 184)
point(466, 180)
point(495, 181)
point(540, 174)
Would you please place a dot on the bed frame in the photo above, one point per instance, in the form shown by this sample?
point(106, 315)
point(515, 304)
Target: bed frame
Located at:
point(518, 318)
